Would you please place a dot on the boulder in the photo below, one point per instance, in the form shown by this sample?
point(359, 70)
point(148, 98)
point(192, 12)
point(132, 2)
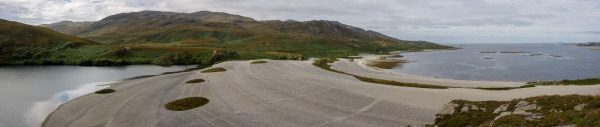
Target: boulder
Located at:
point(522, 103)
point(464, 108)
point(527, 107)
point(579, 107)
point(448, 108)
point(501, 108)
point(474, 107)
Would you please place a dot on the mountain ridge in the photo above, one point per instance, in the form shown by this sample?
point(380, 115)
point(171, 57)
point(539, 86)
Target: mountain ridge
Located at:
point(167, 38)
point(173, 21)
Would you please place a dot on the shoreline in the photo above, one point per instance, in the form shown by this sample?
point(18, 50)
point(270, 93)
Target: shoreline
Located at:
point(359, 67)
point(283, 93)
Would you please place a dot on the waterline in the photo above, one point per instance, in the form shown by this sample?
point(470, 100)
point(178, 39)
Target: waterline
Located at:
point(40, 110)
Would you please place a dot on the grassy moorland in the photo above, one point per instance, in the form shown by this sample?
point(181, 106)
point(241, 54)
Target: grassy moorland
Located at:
point(204, 38)
point(543, 111)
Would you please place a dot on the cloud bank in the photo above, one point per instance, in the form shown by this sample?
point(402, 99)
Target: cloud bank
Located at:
point(460, 21)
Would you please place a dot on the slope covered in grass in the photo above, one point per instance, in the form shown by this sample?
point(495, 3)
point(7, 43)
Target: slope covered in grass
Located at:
point(543, 111)
point(169, 38)
point(228, 31)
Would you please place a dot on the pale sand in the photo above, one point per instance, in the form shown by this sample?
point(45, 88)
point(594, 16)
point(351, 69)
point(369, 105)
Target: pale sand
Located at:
point(278, 93)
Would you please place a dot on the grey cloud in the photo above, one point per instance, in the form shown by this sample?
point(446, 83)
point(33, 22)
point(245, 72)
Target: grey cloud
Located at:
point(10, 11)
point(400, 18)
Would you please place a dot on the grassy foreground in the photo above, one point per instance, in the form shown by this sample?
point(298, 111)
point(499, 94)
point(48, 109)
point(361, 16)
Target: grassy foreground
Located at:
point(581, 111)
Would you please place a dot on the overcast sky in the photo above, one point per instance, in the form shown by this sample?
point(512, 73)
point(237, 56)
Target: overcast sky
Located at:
point(447, 21)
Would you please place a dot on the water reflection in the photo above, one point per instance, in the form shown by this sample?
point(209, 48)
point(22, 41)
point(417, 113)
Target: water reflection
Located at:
point(38, 112)
point(28, 93)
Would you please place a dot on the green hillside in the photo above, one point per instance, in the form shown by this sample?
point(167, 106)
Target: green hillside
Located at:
point(20, 41)
point(216, 29)
point(153, 37)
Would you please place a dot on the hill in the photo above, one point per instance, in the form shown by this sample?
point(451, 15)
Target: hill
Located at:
point(67, 27)
point(219, 29)
point(22, 41)
point(166, 38)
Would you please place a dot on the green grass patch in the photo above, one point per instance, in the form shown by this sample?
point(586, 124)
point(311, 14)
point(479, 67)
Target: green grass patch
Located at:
point(186, 103)
point(105, 91)
point(258, 62)
point(216, 69)
point(591, 81)
point(195, 81)
point(507, 88)
point(510, 121)
point(395, 83)
point(385, 65)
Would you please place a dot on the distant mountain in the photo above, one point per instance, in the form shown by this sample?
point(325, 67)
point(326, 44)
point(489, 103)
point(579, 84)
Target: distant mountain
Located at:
point(219, 29)
point(68, 27)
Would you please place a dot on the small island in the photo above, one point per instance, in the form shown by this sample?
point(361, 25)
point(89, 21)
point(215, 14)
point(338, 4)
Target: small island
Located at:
point(590, 45)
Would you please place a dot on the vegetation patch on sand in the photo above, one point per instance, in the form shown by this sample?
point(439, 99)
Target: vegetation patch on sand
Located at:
point(395, 83)
point(488, 52)
point(258, 62)
point(186, 103)
point(589, 81)
point(385, 64)
point(323, 63)
point(576, 110)
point(507, 88)
point(216, 69)
point(195, 81)
point(105, 91)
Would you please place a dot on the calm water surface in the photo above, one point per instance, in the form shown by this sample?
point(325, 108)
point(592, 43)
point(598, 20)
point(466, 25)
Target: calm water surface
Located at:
point(568, 62)
point(29, 93)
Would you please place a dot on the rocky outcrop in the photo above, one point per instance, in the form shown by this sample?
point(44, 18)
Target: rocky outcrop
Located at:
point(525, 106)
point(448, 108)
point(502, 108)
point(579, 107)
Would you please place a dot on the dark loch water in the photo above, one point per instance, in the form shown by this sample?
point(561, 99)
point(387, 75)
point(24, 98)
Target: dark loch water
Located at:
point(541, 62)
point(29, 93)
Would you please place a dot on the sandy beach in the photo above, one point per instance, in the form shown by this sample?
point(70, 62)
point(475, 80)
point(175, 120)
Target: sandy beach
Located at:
point(284, 93)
